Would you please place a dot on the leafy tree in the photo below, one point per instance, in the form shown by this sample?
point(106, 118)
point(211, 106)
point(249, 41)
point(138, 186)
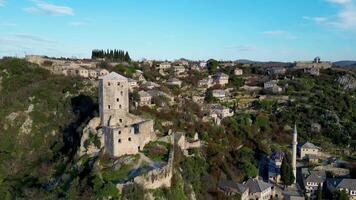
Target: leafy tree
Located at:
point(135, 96)
point(112, 55)
point(341, 195)
point(287, 175)
point(249, 170)
point(319, 194)
point(237, 81)
point(353, 172)
point(212, 66)
point(209, 95)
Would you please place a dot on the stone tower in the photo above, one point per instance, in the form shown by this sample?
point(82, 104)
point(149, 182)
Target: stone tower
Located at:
point(294, 152)
point(113, 99)
point(124, 133)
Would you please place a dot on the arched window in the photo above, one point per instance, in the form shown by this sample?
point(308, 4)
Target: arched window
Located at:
point(109, 84)
point(119, 132)
point(122, 93)
point(120, 106)
point(119, 140)
point(118, 83)
point(129, 139)
point(117, 99)
point(109, 106)
point(120, 120)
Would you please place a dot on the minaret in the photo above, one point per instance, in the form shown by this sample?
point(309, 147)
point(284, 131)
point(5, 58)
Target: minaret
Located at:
point(294, 152)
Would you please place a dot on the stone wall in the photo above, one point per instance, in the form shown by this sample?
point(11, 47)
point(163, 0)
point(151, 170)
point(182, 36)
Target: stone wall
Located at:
point(157, 178)
point(321, 65)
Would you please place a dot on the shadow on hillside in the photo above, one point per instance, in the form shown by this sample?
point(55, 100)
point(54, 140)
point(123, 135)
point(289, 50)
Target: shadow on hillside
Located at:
point(84, 109)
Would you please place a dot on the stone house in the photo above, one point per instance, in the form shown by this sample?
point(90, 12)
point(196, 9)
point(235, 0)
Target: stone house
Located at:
point(203, 64)
point(276, 71)
point(145, 98)
point(138, 75)
point(132, 84)
point(272, 86)
point(219, 94)
point(94, 74)
point(221, 111)
point(174, 82)
point(306, 149)
point(345, 184)
point(179, 70)
point(221, 78)
point(182, 62)
point(82, 72)
point(231, 188)
point(150, 85)
point(195, 67)
point(103, 72)
point(258, 189)
point(164, 66)
point(206, 82)
point(238, 72)
point(124, 133)
point(156, 94)
point(311, 181)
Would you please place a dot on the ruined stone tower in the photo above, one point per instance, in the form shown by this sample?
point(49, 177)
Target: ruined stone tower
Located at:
point(124, 133)
point(113, 99)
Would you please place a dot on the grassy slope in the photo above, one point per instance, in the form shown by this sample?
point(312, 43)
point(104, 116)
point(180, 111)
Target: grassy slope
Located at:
point(29, 160)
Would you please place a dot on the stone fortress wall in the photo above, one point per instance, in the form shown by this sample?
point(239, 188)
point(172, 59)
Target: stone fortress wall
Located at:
point(322, 65)
point(69, 67)
point(157, 178)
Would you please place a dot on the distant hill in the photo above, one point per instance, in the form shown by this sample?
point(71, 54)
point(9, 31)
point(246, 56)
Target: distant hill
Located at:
point(345, 63)
point(245, 61)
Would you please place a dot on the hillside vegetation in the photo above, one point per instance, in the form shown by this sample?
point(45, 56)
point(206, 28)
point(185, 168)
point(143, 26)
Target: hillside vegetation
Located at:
point(42, 117)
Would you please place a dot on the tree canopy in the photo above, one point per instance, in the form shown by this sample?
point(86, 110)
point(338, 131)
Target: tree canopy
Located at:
point(287, 175)
point(112, 55)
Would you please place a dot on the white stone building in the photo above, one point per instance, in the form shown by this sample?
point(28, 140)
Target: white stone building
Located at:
point(272, 86)
point(219, 94)
point(221, 111)
point(311, 181)
point(179, 69)
point(238, 72)
point(164, 66)
point(231, 188)
point(259, 190)
point(206, 82)
point(174, 82)
point(346, 184)
point(145, 98)
point(221, 78)
point(306, 149)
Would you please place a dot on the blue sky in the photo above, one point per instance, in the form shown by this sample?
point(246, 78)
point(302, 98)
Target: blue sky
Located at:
point(169, 29)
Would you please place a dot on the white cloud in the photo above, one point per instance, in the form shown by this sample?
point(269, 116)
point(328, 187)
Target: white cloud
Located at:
point(345, 18)
point(2, 2)
point(41, 7)
point(339, 1)
point(78, 23)
point(316, 19)
point(242, 47)
point(280, 33)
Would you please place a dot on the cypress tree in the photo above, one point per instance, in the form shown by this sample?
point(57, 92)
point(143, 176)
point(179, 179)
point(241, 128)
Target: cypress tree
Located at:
point(287, 175)
point(319, 194)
